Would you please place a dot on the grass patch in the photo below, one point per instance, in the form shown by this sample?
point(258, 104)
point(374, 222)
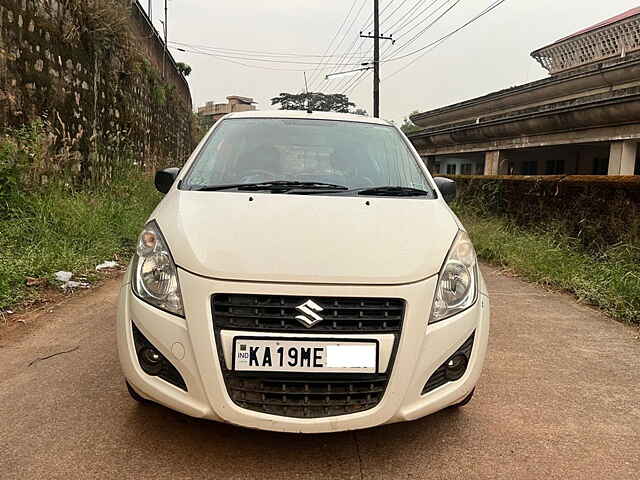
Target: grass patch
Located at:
point(609, 279)
point(62, 228)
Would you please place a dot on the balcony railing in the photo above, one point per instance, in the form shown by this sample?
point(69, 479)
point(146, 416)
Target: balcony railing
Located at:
point(615, 40)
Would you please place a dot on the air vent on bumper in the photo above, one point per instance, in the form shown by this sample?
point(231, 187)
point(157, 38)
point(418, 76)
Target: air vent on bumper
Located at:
point(153, 362)
point(453, 369)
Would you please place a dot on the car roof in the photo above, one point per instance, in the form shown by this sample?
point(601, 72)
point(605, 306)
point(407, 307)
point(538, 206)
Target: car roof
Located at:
point(345, 117)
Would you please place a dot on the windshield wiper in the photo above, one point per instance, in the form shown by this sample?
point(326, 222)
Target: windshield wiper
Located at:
point(393, 191)
point(275, 186)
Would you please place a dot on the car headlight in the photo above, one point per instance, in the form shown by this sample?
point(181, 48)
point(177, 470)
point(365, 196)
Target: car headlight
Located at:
point(155, 277)
point(457, 287)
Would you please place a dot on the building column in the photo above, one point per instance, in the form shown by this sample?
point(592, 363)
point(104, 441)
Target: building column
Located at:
point(495, 163)
point(622, 158)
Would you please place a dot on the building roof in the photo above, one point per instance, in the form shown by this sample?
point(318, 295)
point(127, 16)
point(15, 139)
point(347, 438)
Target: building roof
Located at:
point(604, 23)
point(345, 117)
point(241, 99)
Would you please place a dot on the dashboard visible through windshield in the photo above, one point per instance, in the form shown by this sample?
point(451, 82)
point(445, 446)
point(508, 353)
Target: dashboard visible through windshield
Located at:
point(355, 155)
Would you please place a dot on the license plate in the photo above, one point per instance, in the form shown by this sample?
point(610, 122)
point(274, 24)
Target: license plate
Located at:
point(292, 355)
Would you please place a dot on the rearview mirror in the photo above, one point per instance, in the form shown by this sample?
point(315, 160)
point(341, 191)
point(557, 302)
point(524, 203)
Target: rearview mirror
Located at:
point(447, 188)
point(165, 178)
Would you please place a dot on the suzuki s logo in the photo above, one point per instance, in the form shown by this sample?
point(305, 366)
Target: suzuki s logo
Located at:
point(310, 317)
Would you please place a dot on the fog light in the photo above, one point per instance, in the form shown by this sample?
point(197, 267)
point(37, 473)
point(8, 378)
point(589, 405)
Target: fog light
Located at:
point(150, 361)
point(453, 369)
point(153, 362)
point(456, 366)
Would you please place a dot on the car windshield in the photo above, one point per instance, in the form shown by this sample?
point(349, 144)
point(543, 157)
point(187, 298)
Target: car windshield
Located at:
point(341, 153)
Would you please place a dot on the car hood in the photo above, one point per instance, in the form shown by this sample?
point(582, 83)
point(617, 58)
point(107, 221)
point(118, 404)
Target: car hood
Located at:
point(306, 238)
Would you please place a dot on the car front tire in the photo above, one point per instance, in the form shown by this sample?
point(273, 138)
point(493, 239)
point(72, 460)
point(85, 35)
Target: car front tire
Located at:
point(136, 396)
point(466, 400)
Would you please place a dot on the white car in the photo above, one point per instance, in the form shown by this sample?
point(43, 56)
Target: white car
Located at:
point(303, 273)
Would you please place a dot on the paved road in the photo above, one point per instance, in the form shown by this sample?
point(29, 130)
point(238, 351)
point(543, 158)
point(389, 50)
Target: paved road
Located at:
point(559, 398)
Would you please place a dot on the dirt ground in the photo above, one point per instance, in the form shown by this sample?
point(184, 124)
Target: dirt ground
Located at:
point(559, 398)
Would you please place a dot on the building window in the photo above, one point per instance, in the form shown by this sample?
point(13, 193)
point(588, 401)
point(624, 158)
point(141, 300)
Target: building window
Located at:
point(530, 168)
point(467, 169)
point(452, 169)
point(600, 166)
point(554, 167)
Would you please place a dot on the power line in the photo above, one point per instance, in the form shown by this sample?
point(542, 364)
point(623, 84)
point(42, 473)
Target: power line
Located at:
point(432, 47)
point(361, 41)
point(350, 82)
point(408, 12)
point(355, 81)
point(427, 48)
point(254, 52)
point(255, 59)
point(318, 71)
point(260, 67)
point(382, 21)
point(431, 24)
point(492, 7)
point(341, 61)
point(344, 22)
point(416, 18)
point(369, 23)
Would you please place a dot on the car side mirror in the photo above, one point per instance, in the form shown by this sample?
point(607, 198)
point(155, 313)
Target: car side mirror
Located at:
point(165, 178)
point(447, 188)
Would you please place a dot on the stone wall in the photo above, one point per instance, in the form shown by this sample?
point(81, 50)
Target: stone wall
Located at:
point(93, 71)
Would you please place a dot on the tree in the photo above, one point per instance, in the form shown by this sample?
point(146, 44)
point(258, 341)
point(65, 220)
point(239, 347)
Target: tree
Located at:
point(183, 68)
point(320, 102)
point(360, 111)
point(408, 126)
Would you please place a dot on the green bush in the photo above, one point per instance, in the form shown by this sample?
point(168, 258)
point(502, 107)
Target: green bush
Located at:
point(544, 254)
point(73, 230)
point(10, 177)
point(597, 211)
point(57, 224)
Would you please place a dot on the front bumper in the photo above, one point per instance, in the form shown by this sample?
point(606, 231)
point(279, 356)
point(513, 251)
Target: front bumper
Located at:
point(189, 344)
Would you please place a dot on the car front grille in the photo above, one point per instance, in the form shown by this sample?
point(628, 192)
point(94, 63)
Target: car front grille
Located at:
point(277, 313)
point(306, 395)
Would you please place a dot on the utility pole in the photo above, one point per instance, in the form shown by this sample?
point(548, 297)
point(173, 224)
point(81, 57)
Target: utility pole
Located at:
point(376, 56)
point(150, 10)
point(376, 59)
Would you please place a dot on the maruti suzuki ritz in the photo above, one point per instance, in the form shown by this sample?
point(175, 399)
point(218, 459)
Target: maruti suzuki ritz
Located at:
point(303, 273)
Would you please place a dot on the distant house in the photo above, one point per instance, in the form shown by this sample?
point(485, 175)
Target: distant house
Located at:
point(583, 119)
point(212, 112)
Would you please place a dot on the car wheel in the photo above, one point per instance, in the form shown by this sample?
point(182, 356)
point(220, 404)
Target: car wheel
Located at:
point(466, 400)
point(136, 396)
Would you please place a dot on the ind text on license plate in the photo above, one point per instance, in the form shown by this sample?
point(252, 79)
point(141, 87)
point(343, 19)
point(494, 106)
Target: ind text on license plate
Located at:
point(291, 355)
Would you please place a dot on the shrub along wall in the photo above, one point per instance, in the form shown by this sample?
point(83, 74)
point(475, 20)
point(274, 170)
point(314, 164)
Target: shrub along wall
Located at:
point(91, 70)
point(599, 211)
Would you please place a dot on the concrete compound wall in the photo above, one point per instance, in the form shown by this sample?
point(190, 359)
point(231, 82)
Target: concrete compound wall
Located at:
point(92, 69)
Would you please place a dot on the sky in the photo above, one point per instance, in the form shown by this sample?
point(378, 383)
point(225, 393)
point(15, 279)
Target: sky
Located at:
point(491, 54)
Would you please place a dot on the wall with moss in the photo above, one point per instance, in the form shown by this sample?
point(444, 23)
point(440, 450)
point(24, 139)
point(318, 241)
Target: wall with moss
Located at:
point(96, 73)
